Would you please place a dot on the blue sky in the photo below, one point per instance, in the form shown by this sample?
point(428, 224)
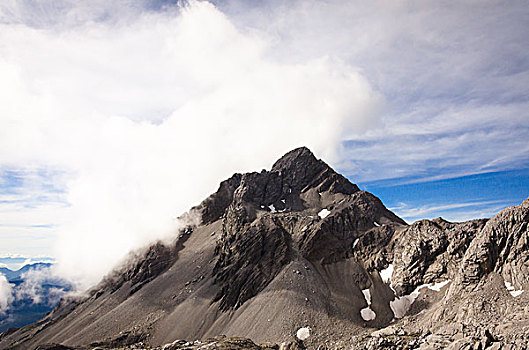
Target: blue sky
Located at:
point(117, 117)
point(455, 199)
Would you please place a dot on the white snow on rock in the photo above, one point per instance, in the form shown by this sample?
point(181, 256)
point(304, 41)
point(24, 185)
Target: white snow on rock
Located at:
point(401, 305)
point(303, 333)
point(512, 290)
point(437, 286)
point(376, 223)
point(355, 242)
point(367, 296)
point(368, 314)
point(324, 213)
point(387, 273)
point(283, 200)
point(272, 208)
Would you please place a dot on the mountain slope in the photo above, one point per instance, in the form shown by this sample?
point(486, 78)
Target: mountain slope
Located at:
point(301, 246)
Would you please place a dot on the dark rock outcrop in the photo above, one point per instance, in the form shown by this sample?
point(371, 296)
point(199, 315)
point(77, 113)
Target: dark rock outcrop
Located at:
point(301, 171)
point(248, 260)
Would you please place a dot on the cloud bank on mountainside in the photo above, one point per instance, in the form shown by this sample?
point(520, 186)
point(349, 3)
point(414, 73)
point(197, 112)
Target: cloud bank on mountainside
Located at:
point(139, 117)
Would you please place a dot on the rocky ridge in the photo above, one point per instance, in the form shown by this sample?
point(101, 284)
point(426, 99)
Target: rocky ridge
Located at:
point(301, 246)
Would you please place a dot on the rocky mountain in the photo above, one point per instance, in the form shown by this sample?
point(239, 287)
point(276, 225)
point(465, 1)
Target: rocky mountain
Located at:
point(18, 275)
point(299, 257)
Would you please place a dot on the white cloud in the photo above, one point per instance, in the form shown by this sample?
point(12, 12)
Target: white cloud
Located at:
point(36, 287)
point(456, 212)
point(455, 77)
point(32, 286)
point(124, 107)
point(6, 294)
point(144, 115)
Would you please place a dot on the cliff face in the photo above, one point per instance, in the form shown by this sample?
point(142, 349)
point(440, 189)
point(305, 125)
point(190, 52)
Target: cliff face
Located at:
point(301, 246)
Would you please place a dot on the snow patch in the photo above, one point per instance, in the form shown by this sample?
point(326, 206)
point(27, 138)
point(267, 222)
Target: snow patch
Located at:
point(272, 208)
point(303, 333)
point(387, 273)
point(324, 213)
point(356, 242)
point(368, 314)
point(401, 305)
point(437, 286)
point(367, 296)
point(376, 223)
point(512, 290)
point(283, 201)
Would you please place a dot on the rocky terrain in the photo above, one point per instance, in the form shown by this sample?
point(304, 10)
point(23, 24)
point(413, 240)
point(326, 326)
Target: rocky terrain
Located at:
point(299, 257)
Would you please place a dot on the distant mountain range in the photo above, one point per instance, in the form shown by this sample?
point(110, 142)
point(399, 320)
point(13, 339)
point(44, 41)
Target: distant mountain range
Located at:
point(300, 256)
point(14, 276)
point(35, 292)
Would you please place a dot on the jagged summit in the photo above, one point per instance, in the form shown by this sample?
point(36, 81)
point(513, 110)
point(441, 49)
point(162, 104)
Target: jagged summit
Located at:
point(297, 174)
point(302, 170)
point(301, 246)
point(272, 217)
point(300, 155)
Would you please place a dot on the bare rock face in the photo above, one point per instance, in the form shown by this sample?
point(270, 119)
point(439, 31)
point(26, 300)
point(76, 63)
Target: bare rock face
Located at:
point(502, 247)
point(485, 305)
point(266, 225)
point(248, 260)
point(301, 247)
point(429, 251)
point(302, 171)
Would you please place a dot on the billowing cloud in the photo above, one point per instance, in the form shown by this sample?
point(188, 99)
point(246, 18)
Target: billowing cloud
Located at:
point(455, 78)
point(144, 114)
point(123, 115)
point(33, 286)
point(6, 294)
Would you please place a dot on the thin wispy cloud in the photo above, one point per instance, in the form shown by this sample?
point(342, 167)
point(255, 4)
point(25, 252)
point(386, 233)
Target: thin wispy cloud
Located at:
point(455, 77)
point(448, 209)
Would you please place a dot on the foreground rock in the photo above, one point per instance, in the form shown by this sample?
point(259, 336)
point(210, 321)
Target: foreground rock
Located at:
point(299, 250)
point(215, 343)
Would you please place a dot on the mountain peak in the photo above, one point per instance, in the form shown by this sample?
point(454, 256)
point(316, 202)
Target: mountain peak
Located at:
point(301, 156)
point(301, 170)
point(294, 174)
